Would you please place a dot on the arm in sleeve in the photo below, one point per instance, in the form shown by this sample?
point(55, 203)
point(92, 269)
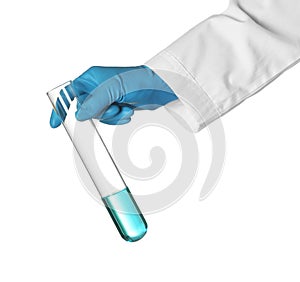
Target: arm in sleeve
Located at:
point(229, 57)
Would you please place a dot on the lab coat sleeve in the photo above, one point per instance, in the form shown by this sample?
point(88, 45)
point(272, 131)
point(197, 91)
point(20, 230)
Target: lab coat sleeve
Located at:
point(229, 57)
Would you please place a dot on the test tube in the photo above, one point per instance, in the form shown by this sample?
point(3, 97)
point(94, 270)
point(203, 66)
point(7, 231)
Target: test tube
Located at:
point(105, 175)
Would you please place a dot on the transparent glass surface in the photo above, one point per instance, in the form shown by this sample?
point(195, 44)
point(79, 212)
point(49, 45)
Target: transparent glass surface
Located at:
point(105, 175)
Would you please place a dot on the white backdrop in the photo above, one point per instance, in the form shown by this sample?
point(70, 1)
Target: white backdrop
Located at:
point(52, 230)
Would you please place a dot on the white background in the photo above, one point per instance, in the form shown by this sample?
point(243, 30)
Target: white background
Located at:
point(52, 230)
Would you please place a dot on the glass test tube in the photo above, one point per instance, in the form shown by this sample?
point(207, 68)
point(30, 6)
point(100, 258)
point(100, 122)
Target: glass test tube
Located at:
point(106, 177)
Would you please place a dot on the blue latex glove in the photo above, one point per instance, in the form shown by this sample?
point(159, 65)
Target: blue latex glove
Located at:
point(111, 94)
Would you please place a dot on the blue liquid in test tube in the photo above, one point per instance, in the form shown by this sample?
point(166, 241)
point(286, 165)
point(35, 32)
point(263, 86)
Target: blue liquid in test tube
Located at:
point(126, 215)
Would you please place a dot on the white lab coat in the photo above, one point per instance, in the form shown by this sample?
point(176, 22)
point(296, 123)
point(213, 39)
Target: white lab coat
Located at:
point(229, 57)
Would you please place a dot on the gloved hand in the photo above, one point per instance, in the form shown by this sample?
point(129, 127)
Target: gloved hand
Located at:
point(111, 94)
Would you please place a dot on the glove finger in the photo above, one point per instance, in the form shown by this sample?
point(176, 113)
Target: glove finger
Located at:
point(55, 120)
point(111, 112)
point(80, 100)
point(70, 90)
point(57, 117)
point(98, 101)
point(124, 114)
point(82, 85)
point(119, 122)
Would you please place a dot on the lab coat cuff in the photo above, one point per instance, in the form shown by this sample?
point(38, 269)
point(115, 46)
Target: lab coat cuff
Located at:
point(194, 106)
